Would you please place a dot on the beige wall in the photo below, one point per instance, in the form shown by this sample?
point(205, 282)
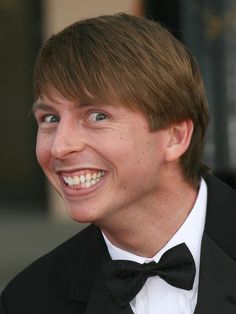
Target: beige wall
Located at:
point(56, 15)
point(60, 13)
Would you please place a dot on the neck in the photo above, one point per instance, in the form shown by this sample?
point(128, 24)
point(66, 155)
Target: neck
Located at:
point(146, 230)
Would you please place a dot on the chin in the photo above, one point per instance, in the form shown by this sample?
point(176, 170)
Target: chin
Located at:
point(81, 215)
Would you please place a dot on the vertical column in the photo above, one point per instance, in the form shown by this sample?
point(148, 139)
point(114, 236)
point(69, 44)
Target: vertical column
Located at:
point(230, 60)
point(209, 29)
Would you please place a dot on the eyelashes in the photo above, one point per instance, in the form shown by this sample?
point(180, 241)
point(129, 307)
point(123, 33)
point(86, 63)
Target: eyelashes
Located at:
point(50, 118)
point(90, 118)
point(97, 116)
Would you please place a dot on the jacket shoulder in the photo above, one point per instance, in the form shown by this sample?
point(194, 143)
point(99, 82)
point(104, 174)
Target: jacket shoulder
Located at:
point(221, 214)
point(48, 278)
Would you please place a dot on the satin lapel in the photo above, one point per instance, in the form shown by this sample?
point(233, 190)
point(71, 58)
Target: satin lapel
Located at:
point(87, 285)
point(217, 284)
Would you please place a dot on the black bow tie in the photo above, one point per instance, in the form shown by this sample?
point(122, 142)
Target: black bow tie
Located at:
point(124, 279)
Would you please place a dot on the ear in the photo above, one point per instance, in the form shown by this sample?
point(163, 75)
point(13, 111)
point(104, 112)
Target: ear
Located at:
point(179, 139)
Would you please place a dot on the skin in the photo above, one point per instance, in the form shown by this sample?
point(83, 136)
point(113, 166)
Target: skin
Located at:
point(135, 202)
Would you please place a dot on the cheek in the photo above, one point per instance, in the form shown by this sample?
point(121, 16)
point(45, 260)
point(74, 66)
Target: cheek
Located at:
point(42, 151)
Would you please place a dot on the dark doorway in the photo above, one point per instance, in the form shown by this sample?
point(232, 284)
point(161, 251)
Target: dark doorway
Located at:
point(167, 12)
point(22, 182)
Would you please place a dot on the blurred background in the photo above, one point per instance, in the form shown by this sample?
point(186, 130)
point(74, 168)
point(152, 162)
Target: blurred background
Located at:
point(32, 217)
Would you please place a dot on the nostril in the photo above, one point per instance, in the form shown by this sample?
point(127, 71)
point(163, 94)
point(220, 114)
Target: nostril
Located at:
point(62, 152)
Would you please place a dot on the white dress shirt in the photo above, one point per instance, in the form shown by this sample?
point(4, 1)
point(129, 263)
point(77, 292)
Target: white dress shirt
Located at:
point(157, 296)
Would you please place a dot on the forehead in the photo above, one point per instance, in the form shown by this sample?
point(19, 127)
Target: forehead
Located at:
point(57, 100)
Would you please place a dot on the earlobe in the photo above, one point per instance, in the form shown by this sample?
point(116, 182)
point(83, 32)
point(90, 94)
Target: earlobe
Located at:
point(179, 139)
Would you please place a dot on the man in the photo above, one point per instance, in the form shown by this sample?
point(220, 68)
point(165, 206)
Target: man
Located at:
point(122, 115)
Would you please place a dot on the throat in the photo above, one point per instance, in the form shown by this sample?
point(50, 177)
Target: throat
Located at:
point(138, 242)
point(148, 233)
point(145, 230)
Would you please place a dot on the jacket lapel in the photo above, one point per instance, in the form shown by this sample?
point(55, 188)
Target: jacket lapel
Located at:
point(217, 284)
point(87, 286)
point(217, 281)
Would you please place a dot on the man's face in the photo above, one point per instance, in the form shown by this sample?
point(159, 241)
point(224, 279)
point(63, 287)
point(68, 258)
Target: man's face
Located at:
point(103, 160)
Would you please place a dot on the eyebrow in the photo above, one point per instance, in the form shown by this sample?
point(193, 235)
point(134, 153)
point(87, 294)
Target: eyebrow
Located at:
point(46, 107)
point(41, 106)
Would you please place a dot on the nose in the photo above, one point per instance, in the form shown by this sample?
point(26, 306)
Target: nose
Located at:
point(67, 140)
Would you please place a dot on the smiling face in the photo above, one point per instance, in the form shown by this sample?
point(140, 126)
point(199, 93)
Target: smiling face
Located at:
point(103, 160)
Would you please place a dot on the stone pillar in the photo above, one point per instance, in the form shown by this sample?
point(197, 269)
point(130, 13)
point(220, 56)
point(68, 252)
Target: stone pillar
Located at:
point(209, 29)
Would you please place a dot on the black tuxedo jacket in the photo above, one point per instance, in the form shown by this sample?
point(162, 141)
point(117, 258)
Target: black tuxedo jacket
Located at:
point(68, 279)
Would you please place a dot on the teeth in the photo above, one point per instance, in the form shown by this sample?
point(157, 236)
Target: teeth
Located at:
point(94, 176)
point(85, 181)
point(70, 181)
point(76, 180)
point(82, 179)
point(87, 184)
point(88, 177)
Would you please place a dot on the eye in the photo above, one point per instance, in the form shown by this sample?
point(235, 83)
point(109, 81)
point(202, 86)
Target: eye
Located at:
point(50, 118)
point(97, 116)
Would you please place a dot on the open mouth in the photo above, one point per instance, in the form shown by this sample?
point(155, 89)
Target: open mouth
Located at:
point(84, 180)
